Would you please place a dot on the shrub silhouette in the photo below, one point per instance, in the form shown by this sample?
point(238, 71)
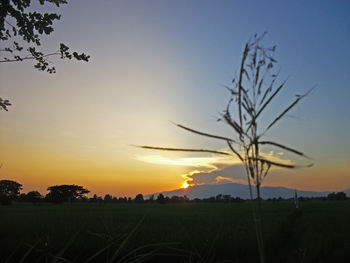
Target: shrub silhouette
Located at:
point(9, 190)
point(139, 198)
point(337, 196)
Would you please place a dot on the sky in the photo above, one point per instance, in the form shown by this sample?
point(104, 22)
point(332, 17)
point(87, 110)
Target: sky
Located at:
point(157, 62)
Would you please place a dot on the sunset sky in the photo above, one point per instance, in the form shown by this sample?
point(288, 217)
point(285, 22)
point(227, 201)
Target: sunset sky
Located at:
point(157, 62)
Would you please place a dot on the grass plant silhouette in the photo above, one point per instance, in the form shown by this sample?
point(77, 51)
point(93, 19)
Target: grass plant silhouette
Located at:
point(251, 92)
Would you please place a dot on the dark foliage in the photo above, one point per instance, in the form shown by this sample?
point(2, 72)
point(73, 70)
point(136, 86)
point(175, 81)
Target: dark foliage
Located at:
point(107, 199)
point(28, 27)
point(20, 36)
point(139, 198)
point(161, 199)
point(65, 193)
point(337, 196)
point(9, 190)
point(4, 104)
point(96, 199)
point(218, 231)
point(31, 197)
point(285, 245)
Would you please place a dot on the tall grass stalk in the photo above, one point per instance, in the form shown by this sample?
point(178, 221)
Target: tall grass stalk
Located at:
point(112, 252)
point(250, 93)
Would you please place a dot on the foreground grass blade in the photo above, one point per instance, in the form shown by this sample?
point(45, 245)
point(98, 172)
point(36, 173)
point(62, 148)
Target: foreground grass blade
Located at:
point(153, 253)
point(98, 253)
point(270, 98)
point(67, 245)
point(181, 150)
point(28, 252)
point(155, 246)
point(61, 259)
point(234, 151)
point(14, 251)
point(284, 147)
point(279, 164)
point(299, 97)
point(126, 240)
point(204, 134)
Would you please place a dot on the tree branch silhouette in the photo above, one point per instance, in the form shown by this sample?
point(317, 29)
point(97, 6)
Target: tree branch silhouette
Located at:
point(20, 36)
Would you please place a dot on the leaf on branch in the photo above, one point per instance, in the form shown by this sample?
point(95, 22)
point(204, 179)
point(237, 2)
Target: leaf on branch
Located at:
point(56, 2)
point(81, 56)
point(4, 104)
point(18, 58)
point(63, 49)
point(17, 46)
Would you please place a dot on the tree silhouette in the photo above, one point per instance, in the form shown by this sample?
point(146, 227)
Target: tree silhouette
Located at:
point(20, 35)
point(251, 92)
point(139, 198)
point(34, 197)
point(107, 199)
point(226, 198)
point(151, 199)
point(161, 199)
point(337, 196)
point(65, 193)
point(218, 197)
point(9, 190)
point(178, 199)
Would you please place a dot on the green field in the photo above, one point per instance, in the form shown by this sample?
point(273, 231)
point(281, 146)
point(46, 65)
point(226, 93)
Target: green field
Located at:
point(317, 232)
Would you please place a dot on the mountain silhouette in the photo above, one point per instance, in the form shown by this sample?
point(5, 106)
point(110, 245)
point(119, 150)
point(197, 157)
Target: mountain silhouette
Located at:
point(241, 191)
point(347, 192)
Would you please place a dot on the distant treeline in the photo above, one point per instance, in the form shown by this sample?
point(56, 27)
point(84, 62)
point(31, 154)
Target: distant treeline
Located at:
point(10, 191)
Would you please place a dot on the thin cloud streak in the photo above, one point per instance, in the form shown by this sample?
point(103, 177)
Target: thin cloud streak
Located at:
point(211, 169)
point(210, 162)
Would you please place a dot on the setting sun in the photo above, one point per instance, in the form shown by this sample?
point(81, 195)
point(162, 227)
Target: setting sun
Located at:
point(185, 185)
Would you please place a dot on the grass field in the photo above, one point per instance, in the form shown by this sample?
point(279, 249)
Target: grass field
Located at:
point(317, 232)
